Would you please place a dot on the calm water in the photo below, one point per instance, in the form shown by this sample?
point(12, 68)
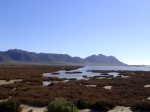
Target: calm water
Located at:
point(84, 70)
point(129, 68)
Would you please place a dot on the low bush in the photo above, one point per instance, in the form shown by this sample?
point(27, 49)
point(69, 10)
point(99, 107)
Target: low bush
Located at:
point(10, 106)
point(103, 105)
point(83, 104)
point(34, 102)
point(4, 95)
point(61, 105)
point(141, 106)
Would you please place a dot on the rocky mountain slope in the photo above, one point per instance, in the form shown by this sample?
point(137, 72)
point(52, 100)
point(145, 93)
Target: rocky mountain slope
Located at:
point(21, 56)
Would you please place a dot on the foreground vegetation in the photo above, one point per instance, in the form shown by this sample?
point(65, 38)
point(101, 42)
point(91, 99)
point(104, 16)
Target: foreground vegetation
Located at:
point(128, 91)
point(61, 105)
point(10, 106)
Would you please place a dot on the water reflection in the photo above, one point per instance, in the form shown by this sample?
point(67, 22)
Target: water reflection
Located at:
point(85, 72)
point(78, 74)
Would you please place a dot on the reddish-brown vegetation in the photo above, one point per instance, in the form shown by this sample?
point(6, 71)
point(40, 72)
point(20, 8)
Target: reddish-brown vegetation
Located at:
point(23, 72)
point(125, 91)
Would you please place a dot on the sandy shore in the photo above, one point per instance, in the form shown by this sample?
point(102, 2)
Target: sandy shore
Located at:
point(4, 82)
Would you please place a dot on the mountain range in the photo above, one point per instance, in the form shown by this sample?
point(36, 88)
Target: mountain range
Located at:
point(20, 56)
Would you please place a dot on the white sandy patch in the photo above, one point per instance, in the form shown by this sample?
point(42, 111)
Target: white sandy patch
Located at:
point(147, 86)
point(91, 85)
point(108, 87)
point(125, 76)
point(120, 109)
point(26, 108)
point(4, 82)
point(86, 79)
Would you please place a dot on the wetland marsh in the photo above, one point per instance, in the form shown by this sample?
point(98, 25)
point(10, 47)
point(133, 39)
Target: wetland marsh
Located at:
point(125, 89)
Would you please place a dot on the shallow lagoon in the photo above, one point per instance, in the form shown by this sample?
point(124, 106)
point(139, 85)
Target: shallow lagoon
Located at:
point(78, 76)
point(85, 71)
point(116, 68)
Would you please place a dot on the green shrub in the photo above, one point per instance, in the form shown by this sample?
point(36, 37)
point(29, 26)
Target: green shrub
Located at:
point(61, 105)
point(10, 106)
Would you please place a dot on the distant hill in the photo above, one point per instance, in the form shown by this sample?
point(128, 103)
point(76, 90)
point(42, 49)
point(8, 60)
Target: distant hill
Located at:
point(20, 56)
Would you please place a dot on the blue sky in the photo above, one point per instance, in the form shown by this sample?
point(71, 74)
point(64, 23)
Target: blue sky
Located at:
point(78, 27)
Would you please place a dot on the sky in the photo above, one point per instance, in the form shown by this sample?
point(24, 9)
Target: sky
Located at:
point(120, 28)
